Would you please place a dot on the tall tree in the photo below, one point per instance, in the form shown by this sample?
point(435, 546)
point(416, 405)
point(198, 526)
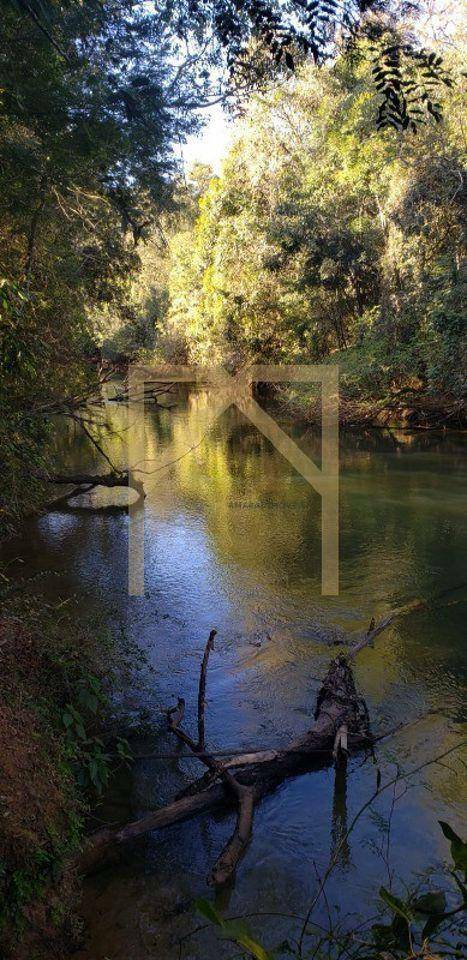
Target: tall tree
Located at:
point(325, 237)
point(91, 104)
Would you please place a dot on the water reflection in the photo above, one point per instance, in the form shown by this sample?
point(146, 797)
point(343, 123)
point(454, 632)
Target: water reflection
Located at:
point(233, 541)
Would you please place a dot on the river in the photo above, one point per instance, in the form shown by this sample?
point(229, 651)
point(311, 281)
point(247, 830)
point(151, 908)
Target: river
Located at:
point(233, 542)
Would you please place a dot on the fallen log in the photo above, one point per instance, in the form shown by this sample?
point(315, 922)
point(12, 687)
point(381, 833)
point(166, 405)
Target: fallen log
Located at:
point(85, 482)
point(341, 725)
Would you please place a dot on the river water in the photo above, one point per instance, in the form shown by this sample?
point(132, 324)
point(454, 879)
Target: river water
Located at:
point(232, 541)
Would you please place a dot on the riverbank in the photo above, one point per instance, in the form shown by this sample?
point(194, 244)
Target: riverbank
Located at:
point(404, 408)
point(59, 745)
point(408, 405)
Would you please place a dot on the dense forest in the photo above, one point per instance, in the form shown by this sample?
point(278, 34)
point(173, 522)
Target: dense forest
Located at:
point(333, 232)
point(325, 239)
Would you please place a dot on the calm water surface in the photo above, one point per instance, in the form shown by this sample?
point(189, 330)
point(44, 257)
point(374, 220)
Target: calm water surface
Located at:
point(233, 542)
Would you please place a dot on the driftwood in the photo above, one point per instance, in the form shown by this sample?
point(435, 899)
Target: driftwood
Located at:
point(340, 729)
point(85, 482)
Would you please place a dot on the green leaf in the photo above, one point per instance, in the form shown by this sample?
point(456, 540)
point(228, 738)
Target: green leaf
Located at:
point(207, 910)
point(80, 730)
point(401, 929)
point(255, 949)
point(89, 701)
point(431, 925)
point(124, 750)
point(251, 946)
point(430, 903)
point(458, 847)
point(234, 930)
point(244, 940)
point(396, 905)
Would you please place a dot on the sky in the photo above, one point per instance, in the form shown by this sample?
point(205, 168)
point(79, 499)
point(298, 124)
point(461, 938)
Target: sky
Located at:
point(439, 19)
point(211, 144)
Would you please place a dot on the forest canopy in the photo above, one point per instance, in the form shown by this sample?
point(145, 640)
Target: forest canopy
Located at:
point(334, 226)
point(324, 238)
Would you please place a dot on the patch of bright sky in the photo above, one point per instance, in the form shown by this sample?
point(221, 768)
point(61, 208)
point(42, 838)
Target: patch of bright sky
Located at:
point(212, 143)
point(439, 20)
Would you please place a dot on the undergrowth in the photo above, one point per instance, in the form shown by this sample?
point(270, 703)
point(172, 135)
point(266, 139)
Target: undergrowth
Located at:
point(59, 744)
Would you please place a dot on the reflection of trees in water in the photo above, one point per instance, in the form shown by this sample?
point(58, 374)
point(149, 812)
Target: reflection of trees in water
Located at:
point(396, 541)
point(387, 440)
point(252, 510)
point(339, 839)
point(245, 438)
point(261, 513)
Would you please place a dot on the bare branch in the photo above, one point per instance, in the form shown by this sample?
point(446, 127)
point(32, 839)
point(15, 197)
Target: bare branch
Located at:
point(227, 862)
point(202, 689)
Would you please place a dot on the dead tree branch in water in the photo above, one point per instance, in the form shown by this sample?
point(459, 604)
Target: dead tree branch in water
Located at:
point(243, 780)
point(85, 482)
point(149, 393)
point(226, 864)
point(341, 728)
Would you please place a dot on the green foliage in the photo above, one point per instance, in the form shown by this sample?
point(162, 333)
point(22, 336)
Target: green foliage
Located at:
point(234, 930)
point(322, 240)
point(398, 907)
point(91, 760)
point(56, 687)
point(418, 917)
point(88, 115)
point(270, 38)
point(92, 98)
point(408, 79)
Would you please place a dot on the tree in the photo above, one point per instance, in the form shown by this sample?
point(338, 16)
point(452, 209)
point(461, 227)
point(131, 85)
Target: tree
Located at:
point(87, 127)
point(263, 37)
point(325, 237)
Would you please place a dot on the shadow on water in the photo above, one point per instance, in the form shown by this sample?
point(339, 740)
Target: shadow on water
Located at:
point(233, 541)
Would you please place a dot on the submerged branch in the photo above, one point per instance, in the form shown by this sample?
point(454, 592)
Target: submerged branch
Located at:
point(227, 862)
point(85, 482)
point(245, 779)
point(340, 729)
point(202, 690)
